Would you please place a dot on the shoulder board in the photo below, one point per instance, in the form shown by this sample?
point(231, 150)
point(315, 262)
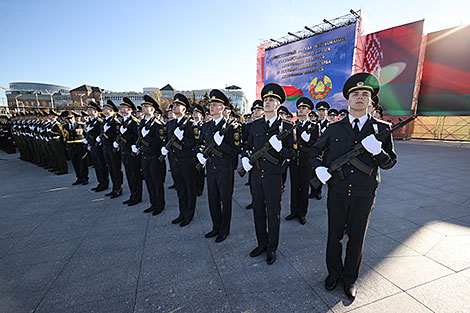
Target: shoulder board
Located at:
point(135, 120)
point(288, 122)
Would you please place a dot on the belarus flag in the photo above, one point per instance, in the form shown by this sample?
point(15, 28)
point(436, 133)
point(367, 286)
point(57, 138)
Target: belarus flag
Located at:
point(292, 93)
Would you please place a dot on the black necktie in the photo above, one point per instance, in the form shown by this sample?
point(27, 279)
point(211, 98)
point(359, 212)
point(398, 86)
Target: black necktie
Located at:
point(267, 123)
point(356, 126)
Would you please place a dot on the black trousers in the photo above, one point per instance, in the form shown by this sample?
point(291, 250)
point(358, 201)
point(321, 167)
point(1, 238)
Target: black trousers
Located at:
point(100, 166)
point(183, 172)
point(60, 163)
point(219, 193)
point(351, 214)
point(300, 174)
point(200, 181)
point(266, 191)
point(134, 179)
point(78, 153)
point(113, 163)
point(154, 173)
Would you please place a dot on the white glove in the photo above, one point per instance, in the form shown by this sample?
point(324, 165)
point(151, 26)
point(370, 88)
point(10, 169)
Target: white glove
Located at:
point(123, 130)
point(88, 128)
point(134, 149)
point(218, 139)
point(47, 139)
point(322, 174)
point(115, 145)
point(246, 164)
point(305, 136)
point(106, 127)
point(98, 139)
point(89, 148)
point(201, 158)
point(85, 141)
point(275, 143)
point(179, 133)
point(372, 145)
point(144, 131)
point(164, 151)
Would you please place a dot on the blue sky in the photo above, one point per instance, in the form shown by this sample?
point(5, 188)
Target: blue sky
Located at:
point(128, 45)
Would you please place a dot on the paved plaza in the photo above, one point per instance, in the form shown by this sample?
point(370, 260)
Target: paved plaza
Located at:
point(64, 248)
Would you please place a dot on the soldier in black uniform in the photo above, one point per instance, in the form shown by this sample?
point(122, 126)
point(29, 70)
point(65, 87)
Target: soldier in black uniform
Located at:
point(343, 113)
point(127, 144)
point(332, 115)
point(56, 141)
point(198, 121)
point(108, 139)
point(300, 168)
point(75, 134)
point(266, 180)
point(351, 193)
point(149, 145)
point(94, 126)
point(219, 164)
point(182, 157)
point(257, 110)
point(322, 111)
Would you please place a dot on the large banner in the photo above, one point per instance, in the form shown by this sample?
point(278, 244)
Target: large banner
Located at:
point(315, 67)
point(445, 86)
point(392, 55)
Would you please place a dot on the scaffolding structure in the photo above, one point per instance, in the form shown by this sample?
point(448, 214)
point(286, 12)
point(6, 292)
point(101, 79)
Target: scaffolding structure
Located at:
point(318, 29)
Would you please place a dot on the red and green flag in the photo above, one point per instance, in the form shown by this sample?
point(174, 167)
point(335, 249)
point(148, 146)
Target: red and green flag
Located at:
point(292, 93)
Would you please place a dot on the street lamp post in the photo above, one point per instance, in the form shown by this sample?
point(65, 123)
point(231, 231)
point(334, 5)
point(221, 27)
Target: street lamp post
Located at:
point(81, 99)
point(37, 98)
point(52, 99)
point(16, 101)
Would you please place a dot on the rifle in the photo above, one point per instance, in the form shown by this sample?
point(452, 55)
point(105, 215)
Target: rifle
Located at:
point(173, 139)
point(211, 148)
point(264, 151)
point(351, 156)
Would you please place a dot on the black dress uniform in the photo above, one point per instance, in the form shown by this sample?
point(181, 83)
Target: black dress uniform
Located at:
point(150, 143)
point(300, 168)
point(219, 166)
point(75, 134)
point(109, 133)
point(257, 104)
point(350, 197)
point(57, 138)
point(266, 179)
point(128, 137)
point(94, 126)
point(202, 173)
point(182, 158)
point(322, 125)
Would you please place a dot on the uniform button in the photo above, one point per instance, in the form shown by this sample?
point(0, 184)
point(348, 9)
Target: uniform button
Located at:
point(267, 134)
point(336, 139)
point(352, 171)
point(355, 141)
point(350, 185)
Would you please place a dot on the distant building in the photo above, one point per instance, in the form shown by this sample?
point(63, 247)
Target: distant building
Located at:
point(116, 96)
point(28, 95)
point(82, 94)
point(236, 96)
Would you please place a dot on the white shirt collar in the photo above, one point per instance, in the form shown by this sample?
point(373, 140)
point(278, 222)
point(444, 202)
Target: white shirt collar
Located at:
point(362, 120)
point(271, 121)
point(126, 117)
point(179, 118)
point(217, 121)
